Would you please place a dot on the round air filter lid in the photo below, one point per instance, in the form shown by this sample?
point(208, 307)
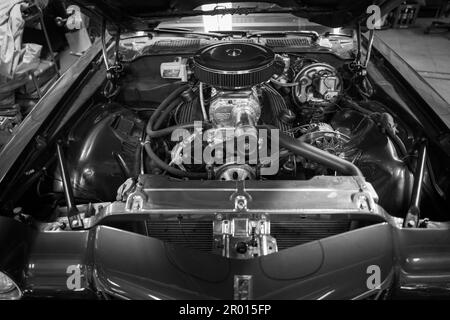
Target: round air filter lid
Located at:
point(229, 57)
point(234, 65)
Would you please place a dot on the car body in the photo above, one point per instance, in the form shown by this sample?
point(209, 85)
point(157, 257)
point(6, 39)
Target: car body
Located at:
point(364, 218)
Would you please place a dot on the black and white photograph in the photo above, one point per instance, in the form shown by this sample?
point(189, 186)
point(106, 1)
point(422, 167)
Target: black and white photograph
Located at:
point(233, 157)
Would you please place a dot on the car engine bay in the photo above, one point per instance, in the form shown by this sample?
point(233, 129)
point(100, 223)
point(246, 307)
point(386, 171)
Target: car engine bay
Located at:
point(236, 149)
point(234, 101)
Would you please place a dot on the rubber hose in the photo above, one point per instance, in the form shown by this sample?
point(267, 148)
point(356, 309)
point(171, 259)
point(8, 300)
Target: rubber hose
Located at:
point(317, 155)
point(169, 130)
point(174, 95)
point(164, 114)
point(158, 133)
point(176, 172)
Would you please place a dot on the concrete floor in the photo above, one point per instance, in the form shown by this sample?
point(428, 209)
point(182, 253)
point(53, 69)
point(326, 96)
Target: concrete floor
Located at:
point(428, 54)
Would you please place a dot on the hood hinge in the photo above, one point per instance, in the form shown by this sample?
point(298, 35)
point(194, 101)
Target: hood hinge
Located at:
point(113, 71)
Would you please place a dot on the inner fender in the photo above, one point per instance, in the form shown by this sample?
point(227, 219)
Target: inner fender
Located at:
point(103, 151)
point(377, 158)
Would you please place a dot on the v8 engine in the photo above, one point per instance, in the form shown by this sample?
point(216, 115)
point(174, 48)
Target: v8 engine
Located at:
point(234, 113)
point(243, 92)
point(242, 112)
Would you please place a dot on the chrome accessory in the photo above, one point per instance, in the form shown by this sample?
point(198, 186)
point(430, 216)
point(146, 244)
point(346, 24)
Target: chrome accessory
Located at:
point(234, 65)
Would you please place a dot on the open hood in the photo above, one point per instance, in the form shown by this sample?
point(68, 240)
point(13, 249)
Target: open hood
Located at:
point(144, 14)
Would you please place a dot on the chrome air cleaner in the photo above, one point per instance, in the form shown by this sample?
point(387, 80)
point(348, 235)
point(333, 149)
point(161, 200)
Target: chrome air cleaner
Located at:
point(234, 65)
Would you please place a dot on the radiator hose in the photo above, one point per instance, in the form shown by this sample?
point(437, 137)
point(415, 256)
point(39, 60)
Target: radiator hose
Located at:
point(312, 153)
point(295, 146)
point(170, 100)
point(153, 124)
point(176, 172)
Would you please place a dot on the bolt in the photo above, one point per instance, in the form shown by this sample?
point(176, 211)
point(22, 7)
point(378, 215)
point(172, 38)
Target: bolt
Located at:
point(88, 172)
point(411, 223)
point(241, 204)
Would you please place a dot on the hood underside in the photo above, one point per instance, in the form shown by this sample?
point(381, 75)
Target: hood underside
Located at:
point(144, 14)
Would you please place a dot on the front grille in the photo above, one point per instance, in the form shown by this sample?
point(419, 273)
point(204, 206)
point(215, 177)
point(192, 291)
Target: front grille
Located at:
point(293, 233)
point(193, 234)
point(199, 234)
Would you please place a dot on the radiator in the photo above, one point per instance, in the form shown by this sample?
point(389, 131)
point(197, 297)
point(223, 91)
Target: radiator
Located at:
point(199, 234)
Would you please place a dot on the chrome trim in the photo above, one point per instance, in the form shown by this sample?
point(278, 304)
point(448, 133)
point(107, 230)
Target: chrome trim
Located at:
point(234, 72)
point(16, 288)
point(202, 101)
